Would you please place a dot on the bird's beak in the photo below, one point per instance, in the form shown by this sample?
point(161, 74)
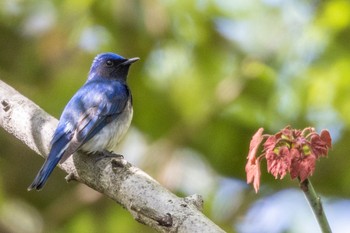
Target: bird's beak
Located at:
point(130, 61)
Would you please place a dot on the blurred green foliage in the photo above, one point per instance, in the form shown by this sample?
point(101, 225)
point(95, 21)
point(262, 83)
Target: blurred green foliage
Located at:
point(212, 72)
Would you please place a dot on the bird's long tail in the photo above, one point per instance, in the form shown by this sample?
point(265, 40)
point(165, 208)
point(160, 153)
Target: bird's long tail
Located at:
point(44, 173)
point(57, 150)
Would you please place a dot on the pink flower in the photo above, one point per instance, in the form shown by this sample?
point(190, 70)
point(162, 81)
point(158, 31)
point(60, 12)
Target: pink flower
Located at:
point(288, 151)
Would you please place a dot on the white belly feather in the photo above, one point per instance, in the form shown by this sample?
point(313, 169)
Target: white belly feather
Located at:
point(109, 136)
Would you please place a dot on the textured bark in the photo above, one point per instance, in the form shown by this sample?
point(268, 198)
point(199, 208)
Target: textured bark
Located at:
point(142, 196)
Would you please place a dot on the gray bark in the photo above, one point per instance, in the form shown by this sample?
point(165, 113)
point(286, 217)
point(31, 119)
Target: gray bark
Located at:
point(141, 195)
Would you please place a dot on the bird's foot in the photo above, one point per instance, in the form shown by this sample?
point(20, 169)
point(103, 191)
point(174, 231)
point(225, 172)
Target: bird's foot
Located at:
point(108, 154)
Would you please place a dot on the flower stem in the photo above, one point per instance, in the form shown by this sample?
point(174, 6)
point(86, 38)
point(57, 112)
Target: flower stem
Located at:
point(315, 204)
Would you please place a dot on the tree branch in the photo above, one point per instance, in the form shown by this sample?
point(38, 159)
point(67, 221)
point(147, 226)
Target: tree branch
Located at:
point(142, 196)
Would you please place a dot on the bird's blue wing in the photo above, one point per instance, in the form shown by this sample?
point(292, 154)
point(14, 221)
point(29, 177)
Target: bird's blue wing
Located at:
point(100, 109)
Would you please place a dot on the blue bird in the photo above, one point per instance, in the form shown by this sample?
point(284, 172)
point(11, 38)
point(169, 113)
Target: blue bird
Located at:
point(97, 116)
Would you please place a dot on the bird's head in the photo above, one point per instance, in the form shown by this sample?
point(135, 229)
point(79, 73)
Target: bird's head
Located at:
point(110, 66)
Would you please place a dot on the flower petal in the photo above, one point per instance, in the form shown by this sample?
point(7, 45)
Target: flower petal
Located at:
point(252, 169)
point(318, 146)
point(278, 164)
point(302, 166)
point(326, 137)
point(255, 143)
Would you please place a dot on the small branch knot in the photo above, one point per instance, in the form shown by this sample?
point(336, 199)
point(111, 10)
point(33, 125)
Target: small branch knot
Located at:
point(70, 177)
point(196, 200)
point(5, 105)
point(163, 220)
point(166, 221)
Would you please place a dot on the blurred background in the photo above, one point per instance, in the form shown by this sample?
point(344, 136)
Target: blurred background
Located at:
point(211, 73)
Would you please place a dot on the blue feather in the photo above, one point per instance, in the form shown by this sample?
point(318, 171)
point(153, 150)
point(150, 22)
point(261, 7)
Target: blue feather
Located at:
point(47, 168)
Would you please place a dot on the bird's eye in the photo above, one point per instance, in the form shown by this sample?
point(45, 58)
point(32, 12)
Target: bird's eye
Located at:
point(109, 63)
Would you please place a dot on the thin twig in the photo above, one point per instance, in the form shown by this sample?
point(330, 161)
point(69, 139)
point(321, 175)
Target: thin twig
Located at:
point(315, 204)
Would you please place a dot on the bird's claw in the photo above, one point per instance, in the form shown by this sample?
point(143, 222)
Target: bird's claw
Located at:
point(108, 154)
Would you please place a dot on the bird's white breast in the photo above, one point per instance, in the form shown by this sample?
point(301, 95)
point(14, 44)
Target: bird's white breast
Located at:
point(110, 135)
